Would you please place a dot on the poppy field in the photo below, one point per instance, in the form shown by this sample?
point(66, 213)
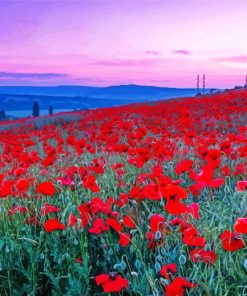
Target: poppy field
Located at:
point(144, 199)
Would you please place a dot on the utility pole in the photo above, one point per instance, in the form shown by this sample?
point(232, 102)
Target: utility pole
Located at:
point(198, 83)
point(246, 81)
point(203, 84)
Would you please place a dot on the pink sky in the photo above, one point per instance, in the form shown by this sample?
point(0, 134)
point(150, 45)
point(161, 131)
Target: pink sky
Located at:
point(163, 43)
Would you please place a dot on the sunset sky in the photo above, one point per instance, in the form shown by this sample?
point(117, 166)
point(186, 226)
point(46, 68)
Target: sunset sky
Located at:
point(100, 43)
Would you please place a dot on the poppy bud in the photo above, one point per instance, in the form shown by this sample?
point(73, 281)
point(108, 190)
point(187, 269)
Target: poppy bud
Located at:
point(163, 281)
point(182, 259)
point(123, 265)
point(226, 189)
point(157, 267)
point(42, 256)
point(157, 235)
point(245, 264)
point(116, 266)
point(138, 264)
point(133, 273)
point(6, 249)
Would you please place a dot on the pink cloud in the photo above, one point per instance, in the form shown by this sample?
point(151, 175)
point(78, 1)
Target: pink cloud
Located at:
point(152, 52)
point(182, 52)
point(124, 62)
point(232, 59)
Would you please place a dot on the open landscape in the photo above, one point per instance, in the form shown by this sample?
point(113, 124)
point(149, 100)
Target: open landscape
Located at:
point(143, 199)
point(123, 148)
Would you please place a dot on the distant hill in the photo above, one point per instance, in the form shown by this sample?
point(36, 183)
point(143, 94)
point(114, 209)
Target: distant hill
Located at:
point(117, 92)
point(17, 101)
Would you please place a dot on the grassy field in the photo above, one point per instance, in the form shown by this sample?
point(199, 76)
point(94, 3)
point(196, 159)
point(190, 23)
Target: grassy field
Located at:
point(144, 199)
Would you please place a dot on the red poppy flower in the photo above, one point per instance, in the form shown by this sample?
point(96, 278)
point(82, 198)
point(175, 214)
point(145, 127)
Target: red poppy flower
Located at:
point(111, 282)
point(47, 209)
point(46, 188)
point(90, 183)
point(32, 220)
point(114, 224)
point(176, 208)
point(191, 238)
point(183, 166)
point(85, 214)
point(215, 183)
point(53, 224)
point(156, 222)
point(6, 188)
point(17, 209)
point(98, 226)
point(22, 184)
point(178, 286)
point(240, 225)
point(205, 256)
point(241, 186)
point(167, 269)
point(174, 193)
point(66, 181)
point(231, 242)
point(128, 222)
point(194, 209)
point(79, 260)
point(72, 220)
point(124, 239)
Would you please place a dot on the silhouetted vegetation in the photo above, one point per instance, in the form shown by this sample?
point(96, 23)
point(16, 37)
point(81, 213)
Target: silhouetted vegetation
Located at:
point(50, 110)
point(2, 115)
point(35, 108)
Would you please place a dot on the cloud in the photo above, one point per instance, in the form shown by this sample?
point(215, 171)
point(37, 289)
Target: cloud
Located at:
point(152, 52)
point(32, 75)
point(182, 52)
point(160, 80)
point(120, 63)
point(232, 59)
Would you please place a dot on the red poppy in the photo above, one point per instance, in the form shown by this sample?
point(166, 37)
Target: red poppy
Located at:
point(47, 209)
point(240, 225)
point(46, 188)
point(72, 220)
point(205, 256)
point(85, 214)
point(53, 224)
point(90, 183)
point(22, 184)
point(124, 239)
point(191, 238)
point(178, 286)
point(176, 208)
point(156, 222)
point(183, 166)
point(32, 220)
point(194, 209)
point(167, 269)
point(98, 226)
point(6, 188)
point(79, 260)
point(241, 186)
point(17, 209)
point(111, 282)
point(231, 242)
point(114, 224)
point(128, 222)
point(174, 193)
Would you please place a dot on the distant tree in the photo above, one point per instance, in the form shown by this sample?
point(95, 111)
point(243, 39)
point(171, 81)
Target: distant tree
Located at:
point(2, 115)
point(35, 108)
point(50, 110)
